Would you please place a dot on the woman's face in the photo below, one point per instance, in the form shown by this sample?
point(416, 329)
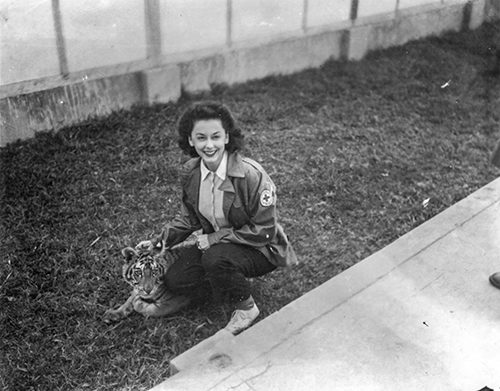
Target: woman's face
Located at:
point(209, 139)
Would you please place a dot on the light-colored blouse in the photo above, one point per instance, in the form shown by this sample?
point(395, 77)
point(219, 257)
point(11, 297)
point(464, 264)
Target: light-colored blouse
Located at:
point(210, 200)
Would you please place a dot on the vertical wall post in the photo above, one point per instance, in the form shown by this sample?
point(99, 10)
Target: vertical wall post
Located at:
point(153, 30)
point(466, 16)
point(60, 42)
point(345, 40)
point(354, 10)
point(397, 12)
point(305, 11)
point(229, 23)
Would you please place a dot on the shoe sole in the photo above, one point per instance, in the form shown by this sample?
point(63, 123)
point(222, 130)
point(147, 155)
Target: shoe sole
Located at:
point(494, 282)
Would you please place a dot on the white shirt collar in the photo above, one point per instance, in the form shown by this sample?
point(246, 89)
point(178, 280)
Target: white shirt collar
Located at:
point(220, 172)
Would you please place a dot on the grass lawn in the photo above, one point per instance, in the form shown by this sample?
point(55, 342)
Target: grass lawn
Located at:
point(361, 153)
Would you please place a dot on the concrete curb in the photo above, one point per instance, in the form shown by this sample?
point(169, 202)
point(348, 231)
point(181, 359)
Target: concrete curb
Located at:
point(222, 354)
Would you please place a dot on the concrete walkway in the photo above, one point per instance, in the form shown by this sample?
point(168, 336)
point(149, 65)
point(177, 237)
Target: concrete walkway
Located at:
point(418, 315)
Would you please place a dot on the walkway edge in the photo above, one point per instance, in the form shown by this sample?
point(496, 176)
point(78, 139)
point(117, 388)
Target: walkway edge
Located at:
point(222, 354)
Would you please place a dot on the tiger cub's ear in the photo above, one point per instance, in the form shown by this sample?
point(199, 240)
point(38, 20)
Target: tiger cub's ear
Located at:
point(129, 253)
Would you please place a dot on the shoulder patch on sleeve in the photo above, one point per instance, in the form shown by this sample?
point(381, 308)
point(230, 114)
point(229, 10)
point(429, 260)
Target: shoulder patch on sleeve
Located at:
point(266, 198)
point(268, 195)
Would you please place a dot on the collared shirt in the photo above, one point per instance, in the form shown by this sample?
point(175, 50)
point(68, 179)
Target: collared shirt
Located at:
point(210, 201)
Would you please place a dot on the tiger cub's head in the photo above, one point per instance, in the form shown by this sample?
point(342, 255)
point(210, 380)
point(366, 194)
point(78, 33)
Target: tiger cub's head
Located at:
point(144, 269)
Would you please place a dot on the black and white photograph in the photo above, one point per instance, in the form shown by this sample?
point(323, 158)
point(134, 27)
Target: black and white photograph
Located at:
point(250, 195)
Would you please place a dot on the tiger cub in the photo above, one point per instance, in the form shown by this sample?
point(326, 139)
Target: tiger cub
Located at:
point(144, 270)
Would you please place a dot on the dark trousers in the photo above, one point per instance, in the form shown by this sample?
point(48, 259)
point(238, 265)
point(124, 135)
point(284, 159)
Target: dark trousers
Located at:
point(225, 266)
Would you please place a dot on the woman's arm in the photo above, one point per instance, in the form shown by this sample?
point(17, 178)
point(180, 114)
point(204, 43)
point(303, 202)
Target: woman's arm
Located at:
point(181, 226)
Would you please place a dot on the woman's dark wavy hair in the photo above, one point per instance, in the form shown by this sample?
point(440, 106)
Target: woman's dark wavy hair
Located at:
point(206, 111)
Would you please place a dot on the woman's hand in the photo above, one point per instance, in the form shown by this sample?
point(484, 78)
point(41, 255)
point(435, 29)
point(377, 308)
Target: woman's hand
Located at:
point(145, 245)
point(202, 242)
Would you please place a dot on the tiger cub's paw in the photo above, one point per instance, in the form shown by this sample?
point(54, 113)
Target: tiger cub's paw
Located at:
point(112, 316)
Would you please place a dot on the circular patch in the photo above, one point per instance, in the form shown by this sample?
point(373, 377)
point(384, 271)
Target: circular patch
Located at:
point(266, 198)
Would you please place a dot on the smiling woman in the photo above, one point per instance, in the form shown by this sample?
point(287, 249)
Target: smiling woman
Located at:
point(231, 200)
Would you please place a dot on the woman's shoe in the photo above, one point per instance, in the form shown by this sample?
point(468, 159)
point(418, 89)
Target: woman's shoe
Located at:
point(241, 319)
point(495, 280)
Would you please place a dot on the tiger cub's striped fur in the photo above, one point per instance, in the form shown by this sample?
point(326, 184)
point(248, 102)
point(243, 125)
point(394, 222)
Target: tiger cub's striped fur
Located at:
point(144, 270)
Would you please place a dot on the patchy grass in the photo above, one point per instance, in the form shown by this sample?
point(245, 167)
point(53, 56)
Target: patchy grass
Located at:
point(354, 148)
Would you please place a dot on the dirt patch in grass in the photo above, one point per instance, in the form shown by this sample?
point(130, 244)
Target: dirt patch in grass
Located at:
point(361, 153)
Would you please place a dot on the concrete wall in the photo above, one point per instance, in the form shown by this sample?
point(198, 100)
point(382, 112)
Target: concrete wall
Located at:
point(63, 61)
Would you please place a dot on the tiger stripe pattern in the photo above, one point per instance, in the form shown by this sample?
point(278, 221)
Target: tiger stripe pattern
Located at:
point(144, 271)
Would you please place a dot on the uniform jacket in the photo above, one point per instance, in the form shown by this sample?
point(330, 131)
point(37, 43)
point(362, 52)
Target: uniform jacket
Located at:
point(249, 205)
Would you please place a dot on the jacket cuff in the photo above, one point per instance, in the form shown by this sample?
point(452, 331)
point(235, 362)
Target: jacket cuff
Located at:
point(215, 237)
